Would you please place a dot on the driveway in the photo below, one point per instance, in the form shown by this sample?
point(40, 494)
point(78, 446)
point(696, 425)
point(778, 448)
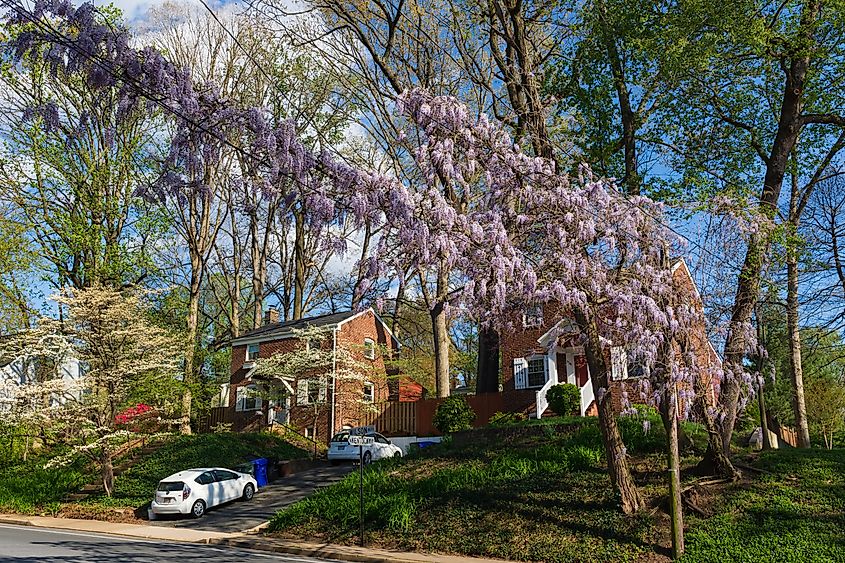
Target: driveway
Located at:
point(240, 516)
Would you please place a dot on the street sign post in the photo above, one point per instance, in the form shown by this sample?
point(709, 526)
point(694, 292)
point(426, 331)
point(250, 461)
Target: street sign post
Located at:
point(358, 439)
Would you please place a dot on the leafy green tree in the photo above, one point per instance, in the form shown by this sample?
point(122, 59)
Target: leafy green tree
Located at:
point(69, 168)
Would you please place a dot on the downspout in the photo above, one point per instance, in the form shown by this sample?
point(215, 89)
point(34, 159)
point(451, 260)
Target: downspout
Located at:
point(334, 380)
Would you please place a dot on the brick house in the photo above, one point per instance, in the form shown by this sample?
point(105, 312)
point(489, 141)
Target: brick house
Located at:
point(318, 406)
point(533, 359)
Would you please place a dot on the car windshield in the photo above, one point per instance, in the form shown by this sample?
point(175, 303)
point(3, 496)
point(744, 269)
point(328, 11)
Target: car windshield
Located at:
point(341, 437)
point(170, 486)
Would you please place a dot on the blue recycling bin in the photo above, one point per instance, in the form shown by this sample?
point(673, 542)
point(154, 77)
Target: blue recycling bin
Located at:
point(260, 464)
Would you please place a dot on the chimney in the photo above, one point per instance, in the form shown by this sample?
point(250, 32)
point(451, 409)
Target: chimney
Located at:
point(271, 316)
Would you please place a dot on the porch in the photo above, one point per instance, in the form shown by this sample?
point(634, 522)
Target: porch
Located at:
point(565, 365)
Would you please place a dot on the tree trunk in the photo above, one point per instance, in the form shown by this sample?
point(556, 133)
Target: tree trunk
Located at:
point(107, 470)
point(617, 456)
point(748, 285)
point(190, 353)
point(299, 265)
point(487, 375)
point(626, 112)
point(798, 403)
point(669, 414)
point(440, 329)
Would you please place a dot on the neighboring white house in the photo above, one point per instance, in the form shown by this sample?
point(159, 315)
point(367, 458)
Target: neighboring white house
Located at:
point(15, 372)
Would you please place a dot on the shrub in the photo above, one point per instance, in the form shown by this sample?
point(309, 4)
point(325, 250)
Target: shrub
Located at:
point(453, 415)
point(564, 398)
point(503, 418)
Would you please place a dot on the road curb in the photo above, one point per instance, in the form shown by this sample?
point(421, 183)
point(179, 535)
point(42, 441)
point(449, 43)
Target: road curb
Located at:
point(342, 553)
point(15, 521)
point(323, 551)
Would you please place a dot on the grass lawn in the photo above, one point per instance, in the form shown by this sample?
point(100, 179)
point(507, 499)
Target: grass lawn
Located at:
point(540, 493)
point(29, 488)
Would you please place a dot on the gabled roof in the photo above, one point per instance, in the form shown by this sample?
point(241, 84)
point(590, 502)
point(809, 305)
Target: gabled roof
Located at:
point(277, 331)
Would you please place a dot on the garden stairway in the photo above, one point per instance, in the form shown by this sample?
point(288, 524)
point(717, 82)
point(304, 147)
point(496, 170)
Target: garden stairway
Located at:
point(137, 449)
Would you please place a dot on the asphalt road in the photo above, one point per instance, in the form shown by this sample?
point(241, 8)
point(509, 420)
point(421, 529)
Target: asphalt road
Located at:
point(26, 544)
point(240, 516)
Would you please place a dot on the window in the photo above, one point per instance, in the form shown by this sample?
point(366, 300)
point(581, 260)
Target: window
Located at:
point(369, 392)
point(248, 399)
point(205, 478)
point(533, 316)
point(310, 391)
point(380, 439)
point(221, 475)
point(537, 371)
point(312, 344)
point(369, 348)
point(622, 368)
point(252, 352)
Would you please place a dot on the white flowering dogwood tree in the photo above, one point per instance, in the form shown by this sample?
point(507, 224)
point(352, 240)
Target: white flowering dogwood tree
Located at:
point(119, 350)
point(319, 368)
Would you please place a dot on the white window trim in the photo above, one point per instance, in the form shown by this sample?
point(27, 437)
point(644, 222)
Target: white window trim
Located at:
point(248, 361)
point(528, 360)
point(369, 348)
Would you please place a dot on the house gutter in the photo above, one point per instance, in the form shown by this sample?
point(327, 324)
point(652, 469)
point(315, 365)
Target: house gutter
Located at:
point(334, 381)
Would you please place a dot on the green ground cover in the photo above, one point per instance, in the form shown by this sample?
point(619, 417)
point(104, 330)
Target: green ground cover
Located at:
point(539, 492)
point(27, 487)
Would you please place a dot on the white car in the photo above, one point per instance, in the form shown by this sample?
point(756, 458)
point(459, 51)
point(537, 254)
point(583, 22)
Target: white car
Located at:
point(381, 448)
point(194, 490)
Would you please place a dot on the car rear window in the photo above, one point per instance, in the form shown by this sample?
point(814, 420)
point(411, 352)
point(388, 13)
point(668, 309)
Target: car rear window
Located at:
point(341, 437)
point(170, 486)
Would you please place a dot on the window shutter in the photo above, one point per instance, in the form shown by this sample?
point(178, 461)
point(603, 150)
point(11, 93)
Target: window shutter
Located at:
point(619, 363)
point(520, 373)
point(323, 389)
point(302, 392)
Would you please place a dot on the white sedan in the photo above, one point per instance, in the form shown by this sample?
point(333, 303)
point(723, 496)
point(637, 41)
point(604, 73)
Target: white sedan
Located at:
point(194, 490)
point(381, 448)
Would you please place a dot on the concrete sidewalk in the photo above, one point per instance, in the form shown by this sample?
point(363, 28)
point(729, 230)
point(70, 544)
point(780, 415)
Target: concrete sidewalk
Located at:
point(114, 528)
point(239, 540)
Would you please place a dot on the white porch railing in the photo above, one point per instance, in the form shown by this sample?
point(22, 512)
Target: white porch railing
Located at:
point(587, 396)
point(542, 402)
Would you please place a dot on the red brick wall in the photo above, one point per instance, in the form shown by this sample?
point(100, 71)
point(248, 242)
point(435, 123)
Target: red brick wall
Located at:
point(349, 410)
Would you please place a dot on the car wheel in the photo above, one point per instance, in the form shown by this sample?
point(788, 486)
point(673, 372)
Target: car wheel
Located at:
point(397, 455)
point(249, 492)
point(368, 458)
point(198, 509)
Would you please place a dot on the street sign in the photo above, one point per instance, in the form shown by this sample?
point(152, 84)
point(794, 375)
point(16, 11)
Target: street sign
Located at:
point(361, 430)
point(361, 440)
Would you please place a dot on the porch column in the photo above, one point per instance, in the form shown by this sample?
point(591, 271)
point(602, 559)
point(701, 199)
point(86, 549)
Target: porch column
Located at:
point(570, 368)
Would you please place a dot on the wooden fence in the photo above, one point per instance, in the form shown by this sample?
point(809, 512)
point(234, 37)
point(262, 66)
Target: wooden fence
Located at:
point(392, 419)
point(398, 418)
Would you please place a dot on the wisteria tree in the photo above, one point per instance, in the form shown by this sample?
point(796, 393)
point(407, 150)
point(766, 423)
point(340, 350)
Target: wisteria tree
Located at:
point(534, 236)
point(542, 237)
point(119, 351)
